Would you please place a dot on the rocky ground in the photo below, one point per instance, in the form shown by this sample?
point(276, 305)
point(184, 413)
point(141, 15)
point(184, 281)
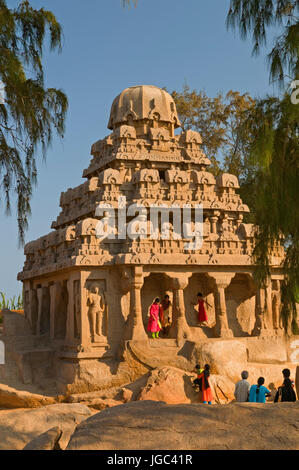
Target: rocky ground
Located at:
point(160, 410)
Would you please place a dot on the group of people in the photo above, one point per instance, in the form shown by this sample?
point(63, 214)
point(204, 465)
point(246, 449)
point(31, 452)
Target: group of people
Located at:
point(158, 316)
point(256, 393)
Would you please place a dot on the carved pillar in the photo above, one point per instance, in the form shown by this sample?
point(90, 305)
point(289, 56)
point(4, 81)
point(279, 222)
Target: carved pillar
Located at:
point(53, 306)
point(179, 327)
point(70, 326)
point(276, 305)
point(39, 292)
point(33, 310)
point(43, 319)
point(268, 306)
point(260, 327)
point(84, 326)
point(135, 283)
point(222, 329)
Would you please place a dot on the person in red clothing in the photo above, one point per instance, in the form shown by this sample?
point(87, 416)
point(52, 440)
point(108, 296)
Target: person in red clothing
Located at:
point(202, 314)
point(206, 390)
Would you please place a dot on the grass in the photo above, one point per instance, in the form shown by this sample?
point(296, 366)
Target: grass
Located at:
point(15, 303)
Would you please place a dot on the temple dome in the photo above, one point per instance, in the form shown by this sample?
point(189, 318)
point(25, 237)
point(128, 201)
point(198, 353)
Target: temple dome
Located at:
point(143, 102)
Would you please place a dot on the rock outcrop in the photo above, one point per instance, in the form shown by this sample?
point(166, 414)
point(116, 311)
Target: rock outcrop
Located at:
point(12, 398)
point(49, 440)
point(19, 427)
point(148, 425)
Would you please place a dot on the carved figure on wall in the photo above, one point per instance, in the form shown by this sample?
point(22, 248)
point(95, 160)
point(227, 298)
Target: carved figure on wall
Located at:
point(97, 305)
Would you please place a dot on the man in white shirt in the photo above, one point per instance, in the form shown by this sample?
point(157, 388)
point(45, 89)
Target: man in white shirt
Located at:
point(242, 388)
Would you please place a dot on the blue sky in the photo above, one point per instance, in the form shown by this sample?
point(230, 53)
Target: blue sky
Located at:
point(106, 49)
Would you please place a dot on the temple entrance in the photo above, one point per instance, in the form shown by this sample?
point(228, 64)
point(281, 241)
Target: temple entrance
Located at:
point(199, 282)
point(155, 285)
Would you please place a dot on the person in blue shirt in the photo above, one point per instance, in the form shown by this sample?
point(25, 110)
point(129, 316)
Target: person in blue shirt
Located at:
point(258, 393)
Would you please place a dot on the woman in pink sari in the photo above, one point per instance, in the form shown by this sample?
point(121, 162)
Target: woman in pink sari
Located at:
point(154, 325)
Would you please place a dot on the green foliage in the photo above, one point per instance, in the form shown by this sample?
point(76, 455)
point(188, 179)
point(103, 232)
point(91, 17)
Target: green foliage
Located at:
point(275, 149)
point(15, 303)
point(275, 146)
point(30, 112)
point(220, 121)
point(256, 17)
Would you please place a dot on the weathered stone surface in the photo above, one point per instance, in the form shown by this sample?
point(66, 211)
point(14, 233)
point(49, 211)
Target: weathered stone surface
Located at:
point(13, 398)
point(267, 350)
point(126, 394)
point(148, 425)
point(170, 385)
point(94, 400)
point(225, 357)
point(223, 389)
point(49, 440)
point(19, 427)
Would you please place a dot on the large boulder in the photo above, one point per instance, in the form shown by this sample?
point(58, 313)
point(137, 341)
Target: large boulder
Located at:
point(148, 425)
point(19, 427)
point(170, 385)
point(174, 386)
point(225, 357)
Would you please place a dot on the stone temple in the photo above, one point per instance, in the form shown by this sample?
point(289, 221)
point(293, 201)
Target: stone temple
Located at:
point(86, 298)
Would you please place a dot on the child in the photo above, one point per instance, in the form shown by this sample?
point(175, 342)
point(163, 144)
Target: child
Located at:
point(202, 314)
point(197, 382)
point(154, 325)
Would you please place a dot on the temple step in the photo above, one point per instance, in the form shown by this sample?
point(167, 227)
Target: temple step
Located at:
point(163, 343)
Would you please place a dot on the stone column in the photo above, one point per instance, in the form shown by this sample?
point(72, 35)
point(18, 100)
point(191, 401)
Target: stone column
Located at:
point(276, 305)
point(135, 283)
point(53, 306)
point(260, 299)
point(33, 310)
point(70, 326)
point(268, 306)
point(84, 327)
point(39, 292)
point(222, 280)
point(179, 327)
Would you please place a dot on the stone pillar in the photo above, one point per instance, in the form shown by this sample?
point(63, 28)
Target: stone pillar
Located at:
point(70, 326)
point(39, 292)
point(33, 310)
point(136, 282)
point(260, 299)
point(179, 327)
point(84, 327)
point(268, 306)
point(276, 306)
point(222, 280)
point(53, 306)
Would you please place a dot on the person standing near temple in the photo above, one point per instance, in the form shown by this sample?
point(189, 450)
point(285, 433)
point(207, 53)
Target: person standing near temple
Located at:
point(242, 388)
point(202, 314)
point(154, 325)
point(286, 391)
point(258, 393)
point(205, 386)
